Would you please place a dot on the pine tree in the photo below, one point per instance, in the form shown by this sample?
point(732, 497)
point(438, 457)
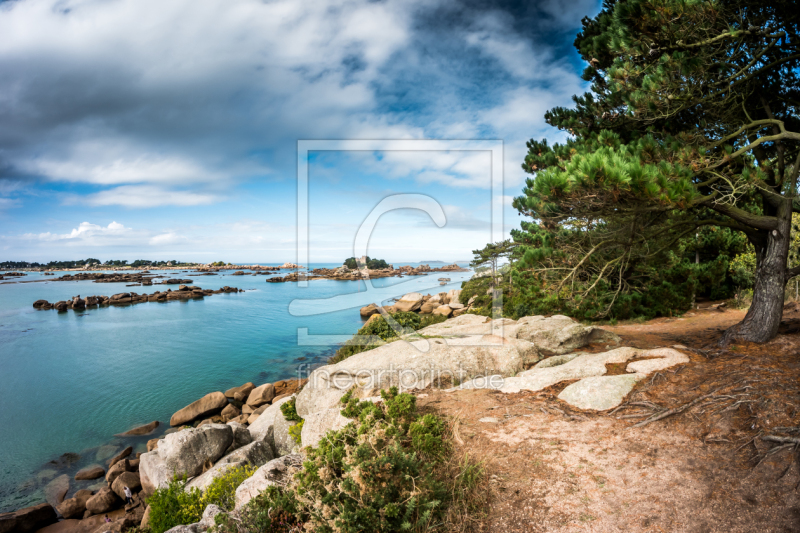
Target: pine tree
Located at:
point(691, 122)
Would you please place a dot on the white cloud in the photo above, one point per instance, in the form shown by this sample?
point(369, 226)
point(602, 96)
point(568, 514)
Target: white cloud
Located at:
point(146, 196)
point(7, 203)
point(165, 239)
point(141, 169)
point(85, 231)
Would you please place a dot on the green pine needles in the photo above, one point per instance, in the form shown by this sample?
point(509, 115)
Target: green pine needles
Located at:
point(690, 126)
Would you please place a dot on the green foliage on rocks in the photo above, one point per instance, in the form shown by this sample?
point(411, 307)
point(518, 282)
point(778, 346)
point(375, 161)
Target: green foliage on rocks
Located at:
point(173, 505)
point(290, 413)
point(379, 332)
point(390, 470)
point(372, 264)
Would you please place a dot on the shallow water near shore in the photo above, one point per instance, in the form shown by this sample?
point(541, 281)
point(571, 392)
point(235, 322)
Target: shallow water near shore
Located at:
point(70, 381)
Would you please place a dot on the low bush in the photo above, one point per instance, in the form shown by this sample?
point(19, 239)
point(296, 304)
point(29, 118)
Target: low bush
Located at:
point(429, 320)
point(392, 469)
point(290, 413)
point(381, 332)
point(173, 505)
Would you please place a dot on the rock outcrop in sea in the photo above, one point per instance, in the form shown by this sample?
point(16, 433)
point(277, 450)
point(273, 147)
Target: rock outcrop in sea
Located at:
point(184, 292)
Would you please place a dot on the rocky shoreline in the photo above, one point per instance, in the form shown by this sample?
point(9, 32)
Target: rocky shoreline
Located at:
point(200, 267)
point(184, 292)
point(245, 425)
point(345, 274)
point(97, 490)
point(446, 304)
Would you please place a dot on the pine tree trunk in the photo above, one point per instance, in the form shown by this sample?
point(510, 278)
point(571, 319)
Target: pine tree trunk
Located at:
point(764, 316)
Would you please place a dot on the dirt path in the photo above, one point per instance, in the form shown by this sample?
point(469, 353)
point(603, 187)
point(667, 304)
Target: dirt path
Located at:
point(705, 469)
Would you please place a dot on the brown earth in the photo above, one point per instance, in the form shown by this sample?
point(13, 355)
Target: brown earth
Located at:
point(711, 467)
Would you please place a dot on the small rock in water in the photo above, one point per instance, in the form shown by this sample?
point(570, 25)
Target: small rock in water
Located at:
point(209, 404)
point(90, 472)
point(56, 490)
point(120, 456)
point(66, 460)
point(106, 452)
point(140, 430)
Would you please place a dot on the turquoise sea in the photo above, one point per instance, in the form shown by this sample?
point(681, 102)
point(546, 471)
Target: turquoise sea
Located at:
point(70, 381)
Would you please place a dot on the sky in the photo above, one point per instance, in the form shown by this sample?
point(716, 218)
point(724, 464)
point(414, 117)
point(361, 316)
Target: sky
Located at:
point(169, 129)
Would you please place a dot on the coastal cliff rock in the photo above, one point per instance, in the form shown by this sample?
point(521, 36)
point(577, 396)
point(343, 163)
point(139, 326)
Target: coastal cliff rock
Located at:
point(560, 334)
point(254, 454)
point(105, 500)
point(262, 429)
point(428, 307)
point(275, 473)
point(287, 387)
point(317, 424)
point(261, 395)
point(126, 479)
point(206, 522)
point(410, 302)
point(241, 436)
point(443, 310)
point(75, 506)
point(205, 479)
point(465, 347)
point(115, 471)
point(284, 444)
point(365, 312)
point(209, 404)
point(230, 412)
point(28, 519)
point(184, 452)
point(241, 392)
point(90, 472)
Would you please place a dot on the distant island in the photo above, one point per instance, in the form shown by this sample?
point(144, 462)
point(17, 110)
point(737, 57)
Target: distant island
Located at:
point(92, 262)
point(373, 264)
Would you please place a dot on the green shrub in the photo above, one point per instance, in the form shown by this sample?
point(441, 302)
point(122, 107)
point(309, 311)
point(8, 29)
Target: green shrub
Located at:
point(289, 410)
point(389, 470)
point(290, 413)
point(222, 491)
point(273, 511)
point(173, 505)
point(380, 331)
point(429, 320)
point(296, 432)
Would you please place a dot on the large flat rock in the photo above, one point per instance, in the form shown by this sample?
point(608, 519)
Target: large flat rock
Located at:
point(599, 393)
point(413, 365)
point(208, 405)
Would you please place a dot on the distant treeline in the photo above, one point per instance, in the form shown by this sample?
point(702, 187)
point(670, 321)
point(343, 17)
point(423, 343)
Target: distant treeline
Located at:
point(80, 263)
point(372, 264)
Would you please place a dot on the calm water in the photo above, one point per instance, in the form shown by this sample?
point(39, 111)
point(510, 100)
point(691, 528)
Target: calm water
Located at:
point(70, 381)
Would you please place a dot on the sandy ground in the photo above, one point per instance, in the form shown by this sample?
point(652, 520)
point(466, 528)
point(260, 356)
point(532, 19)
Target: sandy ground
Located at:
point(705, 469)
